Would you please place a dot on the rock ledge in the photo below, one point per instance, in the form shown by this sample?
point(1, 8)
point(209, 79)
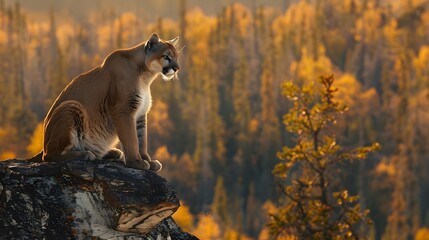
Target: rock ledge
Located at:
point(78, 199)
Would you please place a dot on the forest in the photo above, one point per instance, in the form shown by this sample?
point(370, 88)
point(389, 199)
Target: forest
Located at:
point(220, 128)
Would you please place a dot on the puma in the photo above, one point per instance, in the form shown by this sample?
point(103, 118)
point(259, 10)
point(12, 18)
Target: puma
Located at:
point(109, 104)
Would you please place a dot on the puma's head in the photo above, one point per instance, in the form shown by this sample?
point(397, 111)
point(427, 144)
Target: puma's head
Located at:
point(161, 56)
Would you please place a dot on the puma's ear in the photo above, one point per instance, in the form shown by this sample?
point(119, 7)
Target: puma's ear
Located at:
point(174, 41)
point(154, 39)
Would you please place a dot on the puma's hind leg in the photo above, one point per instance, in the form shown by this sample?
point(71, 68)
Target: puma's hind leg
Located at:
point(63, 131)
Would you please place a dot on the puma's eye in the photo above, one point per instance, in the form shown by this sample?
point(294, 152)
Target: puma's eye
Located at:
point(166, 57)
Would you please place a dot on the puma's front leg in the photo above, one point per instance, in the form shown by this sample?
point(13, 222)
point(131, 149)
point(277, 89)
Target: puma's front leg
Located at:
point(155, 165)
point(126, 128)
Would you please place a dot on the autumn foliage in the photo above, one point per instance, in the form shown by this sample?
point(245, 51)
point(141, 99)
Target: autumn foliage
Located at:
point(316, 205)
point(217, 130)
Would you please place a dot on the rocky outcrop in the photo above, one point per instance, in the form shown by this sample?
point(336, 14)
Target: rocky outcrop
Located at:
point(78, 199)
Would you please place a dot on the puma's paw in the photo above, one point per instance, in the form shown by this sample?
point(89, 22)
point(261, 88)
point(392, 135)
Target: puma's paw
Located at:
point(155, 166)
point(138, 164)
point(114, 153)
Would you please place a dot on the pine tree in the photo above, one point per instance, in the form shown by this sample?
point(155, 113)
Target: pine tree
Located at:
point(402, 127)
point(220, 203)
point(183, 24)
point(253, 215)
point(21, 117)
point(315, 205)
point(119, 33)
point(241, 103)
point(57, 78)
point(269, 121)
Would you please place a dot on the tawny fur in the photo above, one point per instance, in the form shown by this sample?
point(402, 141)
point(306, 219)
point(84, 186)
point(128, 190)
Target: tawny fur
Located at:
point(108, 105)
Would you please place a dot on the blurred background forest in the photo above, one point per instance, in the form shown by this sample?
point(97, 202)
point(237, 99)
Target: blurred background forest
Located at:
point(217, 130)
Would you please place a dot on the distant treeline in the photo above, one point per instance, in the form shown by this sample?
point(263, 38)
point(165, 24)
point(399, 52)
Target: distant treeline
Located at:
point(218, 129)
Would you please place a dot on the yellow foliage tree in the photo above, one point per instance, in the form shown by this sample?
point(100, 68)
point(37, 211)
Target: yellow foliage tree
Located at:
point(348, 89)
point(160, 123)
point(363, 104)
point(7, 155)
point(232, 234)
point(310, 67)
point(421, 66)
point(8, 148)
point(422, 234)
point(296, 25)
point(265, 235)
point(184, 218)
point(36, 142)
point(367, 27)
point(162, 153)
point(207, 228)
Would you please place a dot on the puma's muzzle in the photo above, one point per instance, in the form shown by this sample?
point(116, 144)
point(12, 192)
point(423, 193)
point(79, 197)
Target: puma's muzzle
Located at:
point(168, 72)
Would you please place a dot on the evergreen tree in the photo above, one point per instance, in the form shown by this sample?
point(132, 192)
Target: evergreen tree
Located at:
point(241, 103)
point(222, 113)
point(57, 78)
point(119, 34)
point(182, 20)
point(315, 205)
point(220, 203)
point(269, 121)
point(20, 116)
point(253, 214)
point(402, 127)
